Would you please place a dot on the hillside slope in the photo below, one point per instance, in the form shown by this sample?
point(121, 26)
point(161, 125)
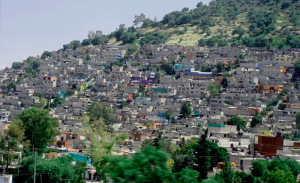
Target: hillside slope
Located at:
point(252, 23)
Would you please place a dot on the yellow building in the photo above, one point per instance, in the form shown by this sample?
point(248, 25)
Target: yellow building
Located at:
point(266, 133)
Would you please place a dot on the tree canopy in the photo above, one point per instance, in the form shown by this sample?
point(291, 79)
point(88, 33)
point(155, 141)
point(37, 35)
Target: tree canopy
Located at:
point(39, 127)
point(185, 110)
point(100, 116)
point(57, 170)
point(16, 65)
point(237, 121)
point(214, 89)
point(277, 170)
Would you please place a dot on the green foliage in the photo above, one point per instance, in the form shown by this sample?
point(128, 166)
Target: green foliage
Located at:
point(280, 176)
point(202, 154)
point(46, 54)
point(239, 31)
point(168, 68)
point(138, 19)
point(214, 89)
point(40, 128)
point(125, 35)
point(98, 111)
point(11, 86)
point(98, 40)
point(295, 17)
point(224, 82)
point(57, 102)
point(280, 96)
point(88, 57)
point(281, 106)
point(57, 170)
point(16, 65)
point(132, 49)
point(185, 110)
point(213, 41)
point(70, 92)
point(256, 120)
point(86, 42)
point(153, 38)
point(142, 88)
point(298, 119)
point(237, 121)
point(169, 114)
point(135, 64)
point(297, 67)
point(273, 103)
point(277, 170)
point(220, 67)
point(9, 141)
point(33, 66)
point(128, 169)
point(259, 168)
point(128, 37)
point(205, 68)
point(187, 176)
point(72, 45)
point(124, 104)
point(260, 17)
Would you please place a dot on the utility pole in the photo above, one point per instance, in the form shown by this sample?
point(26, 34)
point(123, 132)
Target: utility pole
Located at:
point(34, 165)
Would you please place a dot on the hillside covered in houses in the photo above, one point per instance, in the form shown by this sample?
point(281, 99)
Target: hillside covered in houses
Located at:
point(175, 100)
point(244, 100)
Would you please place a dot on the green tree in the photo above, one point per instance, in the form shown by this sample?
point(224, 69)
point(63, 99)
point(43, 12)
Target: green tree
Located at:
point(187, 175)
point(16, 65)
point(224, 82)
point(150, 165)
point(297, 67)
point(281, 106)
point(237, 121)
point(293, 165)
point(33, 66)
point(138, 19)
point(40, 128)
point(98, 111)
point(259, 168)
point(57, 101)
point(9, 141)
point(168, 114)
point(298, 119)
point(128, 37)
point(142, 88)
point(202, 154)
point(46, 54)
point(59, 170)
point(132, 49)
point(124, 104)
point(11, 86)
point(168, 68)
point(153, 38)
point(220, 67)
point(201, 42)
point(219, 154)
point(256, 120)
point(185, 110)
point(72, 45)
point(280, 176)
point(214, 89)
point(86, 42)
point(239, 30)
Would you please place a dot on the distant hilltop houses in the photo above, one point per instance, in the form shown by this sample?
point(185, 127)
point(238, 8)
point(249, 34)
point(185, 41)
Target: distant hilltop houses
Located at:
point(147, 89)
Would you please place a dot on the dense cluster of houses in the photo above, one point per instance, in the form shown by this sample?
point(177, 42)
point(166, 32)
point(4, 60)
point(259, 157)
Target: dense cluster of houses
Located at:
point(140, 94)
